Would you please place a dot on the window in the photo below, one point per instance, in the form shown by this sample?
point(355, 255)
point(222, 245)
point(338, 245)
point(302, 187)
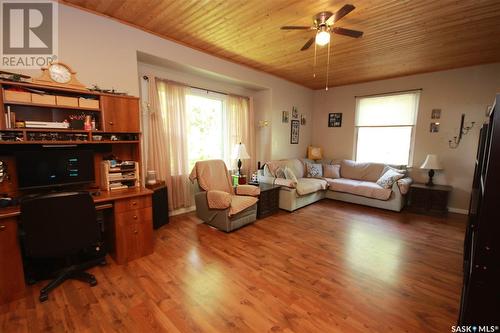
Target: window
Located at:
point(206, 127)
point(384, 127)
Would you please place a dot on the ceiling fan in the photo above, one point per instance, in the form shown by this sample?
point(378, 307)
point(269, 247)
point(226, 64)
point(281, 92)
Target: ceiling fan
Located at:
point(323, 24)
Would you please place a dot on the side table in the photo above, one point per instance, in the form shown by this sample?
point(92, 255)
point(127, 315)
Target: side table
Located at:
point(431, 200)
point(269, 200)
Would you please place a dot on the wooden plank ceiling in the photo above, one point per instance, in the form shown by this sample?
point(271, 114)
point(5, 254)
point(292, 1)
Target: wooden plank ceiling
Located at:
point(401, 37)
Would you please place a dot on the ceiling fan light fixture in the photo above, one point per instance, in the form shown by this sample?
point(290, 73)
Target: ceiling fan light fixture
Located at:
point(322, 38)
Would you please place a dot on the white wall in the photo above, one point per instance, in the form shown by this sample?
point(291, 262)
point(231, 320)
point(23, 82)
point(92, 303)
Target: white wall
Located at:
point(466, 90)
point(104, 52)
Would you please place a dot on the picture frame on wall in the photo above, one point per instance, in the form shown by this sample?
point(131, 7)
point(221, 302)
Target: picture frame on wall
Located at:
point(285, 116)
point(436, 114)
point(294, 132)
point(434, 128)
point(335, 120)
point(295, 112)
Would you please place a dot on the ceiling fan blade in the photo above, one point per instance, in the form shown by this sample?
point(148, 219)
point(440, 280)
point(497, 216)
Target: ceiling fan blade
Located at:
point(295, 27)
point(308, 44)
point(346, 9)
point(348, 32)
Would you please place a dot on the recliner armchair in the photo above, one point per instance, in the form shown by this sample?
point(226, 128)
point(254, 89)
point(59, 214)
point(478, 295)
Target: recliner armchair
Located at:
point(217, 204)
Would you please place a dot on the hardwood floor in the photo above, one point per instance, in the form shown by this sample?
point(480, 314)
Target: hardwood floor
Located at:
point(328, 267)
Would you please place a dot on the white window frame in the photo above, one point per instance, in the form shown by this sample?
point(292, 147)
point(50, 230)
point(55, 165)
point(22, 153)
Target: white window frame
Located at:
point(412, 142)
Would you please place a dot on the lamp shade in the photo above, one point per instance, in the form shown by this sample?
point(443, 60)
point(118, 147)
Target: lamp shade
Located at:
point(240, 152)
point(431, 162)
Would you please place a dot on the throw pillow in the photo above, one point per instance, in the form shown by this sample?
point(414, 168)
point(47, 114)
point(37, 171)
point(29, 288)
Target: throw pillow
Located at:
point(388, 178)
point(401, 171)
point(267, 171)
point(314, 170)
point(331, 171)
point(280, 173)
point(290, 175)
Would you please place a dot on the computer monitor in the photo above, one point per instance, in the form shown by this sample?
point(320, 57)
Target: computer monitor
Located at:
point(54, 167)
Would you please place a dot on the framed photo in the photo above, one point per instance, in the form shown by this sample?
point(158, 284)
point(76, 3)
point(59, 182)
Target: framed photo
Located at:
point(436, 114)
point(294, 132)
point(335, 120)
point(295, 112)
point(434, 128)
point(302, 119)
point(285, 116)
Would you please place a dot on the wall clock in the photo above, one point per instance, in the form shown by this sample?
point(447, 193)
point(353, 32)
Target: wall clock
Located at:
point(60, 75)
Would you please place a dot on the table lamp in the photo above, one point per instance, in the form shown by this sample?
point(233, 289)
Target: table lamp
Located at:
point(431, 163)
point(239, 153)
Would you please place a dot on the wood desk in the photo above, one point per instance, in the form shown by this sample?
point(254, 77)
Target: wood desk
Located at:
point(129, 235)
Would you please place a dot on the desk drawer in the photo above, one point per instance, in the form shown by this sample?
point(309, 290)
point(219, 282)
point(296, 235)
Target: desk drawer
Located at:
point(132, 203)
point(134, 216)
point(133, 235)
point(11, 264)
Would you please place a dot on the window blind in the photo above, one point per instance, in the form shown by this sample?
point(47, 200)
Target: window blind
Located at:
point(390, 110)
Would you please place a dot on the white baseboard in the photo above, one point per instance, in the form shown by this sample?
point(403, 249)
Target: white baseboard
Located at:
point(458, 210)
point(182, 211)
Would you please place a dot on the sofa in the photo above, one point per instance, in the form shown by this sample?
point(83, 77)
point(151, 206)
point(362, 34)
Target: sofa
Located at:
point(354, 182)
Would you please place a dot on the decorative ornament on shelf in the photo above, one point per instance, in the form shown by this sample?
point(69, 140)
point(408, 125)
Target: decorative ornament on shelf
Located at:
point(453, 144)
point(60, 75)
point(431, 163)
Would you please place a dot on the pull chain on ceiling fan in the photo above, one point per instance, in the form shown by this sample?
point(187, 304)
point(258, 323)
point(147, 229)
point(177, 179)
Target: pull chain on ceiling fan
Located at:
point(323, 25)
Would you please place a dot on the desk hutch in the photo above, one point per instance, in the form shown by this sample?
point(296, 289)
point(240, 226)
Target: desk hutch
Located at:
point(127, 212)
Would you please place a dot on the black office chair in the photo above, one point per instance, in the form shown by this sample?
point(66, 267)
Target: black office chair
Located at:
point(62, 226)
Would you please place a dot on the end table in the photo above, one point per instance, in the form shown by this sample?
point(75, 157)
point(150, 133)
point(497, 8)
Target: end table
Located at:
point(269, 200)
point(431, 200)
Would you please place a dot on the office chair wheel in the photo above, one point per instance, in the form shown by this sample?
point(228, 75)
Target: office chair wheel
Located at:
point(43, 297)
point(93, 281)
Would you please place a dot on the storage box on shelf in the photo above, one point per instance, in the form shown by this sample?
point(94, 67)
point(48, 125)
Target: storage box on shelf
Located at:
point(43, 99)
point(88, 103)
point(17, 96)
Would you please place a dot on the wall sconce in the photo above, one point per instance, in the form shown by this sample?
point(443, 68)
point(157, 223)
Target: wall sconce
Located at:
point(264, 123)
point(453, 144)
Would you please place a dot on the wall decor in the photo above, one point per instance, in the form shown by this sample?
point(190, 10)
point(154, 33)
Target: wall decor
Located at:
point(335, 120)
point(284, 116)
point(302, 119)
point(436, 114)
point(434, 128)
point(464, 129)
point(294, 132)
point(295, 112)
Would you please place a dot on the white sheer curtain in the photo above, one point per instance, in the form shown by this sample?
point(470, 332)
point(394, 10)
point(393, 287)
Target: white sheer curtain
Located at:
point(168, 153)
point(241, 128)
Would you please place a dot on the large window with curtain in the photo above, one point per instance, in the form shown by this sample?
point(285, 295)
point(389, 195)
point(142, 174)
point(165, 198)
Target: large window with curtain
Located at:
point(185, 125)
point(385, 127)
point(206, 124)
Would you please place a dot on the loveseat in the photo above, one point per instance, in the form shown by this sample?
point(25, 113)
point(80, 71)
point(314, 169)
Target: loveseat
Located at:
point(351, 182)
